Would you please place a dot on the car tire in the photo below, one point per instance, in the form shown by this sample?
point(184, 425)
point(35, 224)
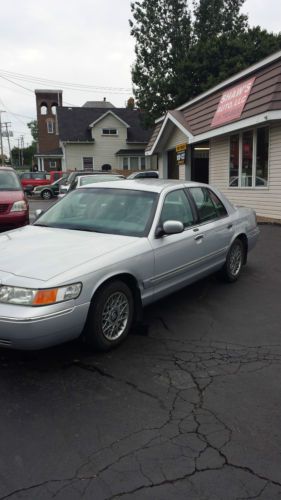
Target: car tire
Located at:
point(46, 194)
point(110, 316)
point(234, 261)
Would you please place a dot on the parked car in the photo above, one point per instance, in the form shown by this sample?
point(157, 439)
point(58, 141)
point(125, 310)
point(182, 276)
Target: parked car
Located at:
point(49, 191)
point(14, 211)
point(84, 180)
point(30, 180)
point(88, 265)
point(144, 174)
point(71, 182)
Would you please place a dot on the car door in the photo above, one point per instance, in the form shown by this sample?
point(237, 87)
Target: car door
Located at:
point(214, 226)
point(176, 256)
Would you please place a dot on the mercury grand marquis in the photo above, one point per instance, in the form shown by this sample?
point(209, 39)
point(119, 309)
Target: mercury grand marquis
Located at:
point(88, 265)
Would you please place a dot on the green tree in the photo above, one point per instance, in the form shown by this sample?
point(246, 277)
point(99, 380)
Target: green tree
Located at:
point(33, 127)
point(177, 60)
point(161, 29)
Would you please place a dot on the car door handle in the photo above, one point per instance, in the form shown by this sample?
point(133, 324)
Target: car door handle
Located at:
point(229, 226)
point(199, 237)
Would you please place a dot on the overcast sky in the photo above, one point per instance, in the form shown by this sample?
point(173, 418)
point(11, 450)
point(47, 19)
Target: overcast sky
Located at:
point(76, 41)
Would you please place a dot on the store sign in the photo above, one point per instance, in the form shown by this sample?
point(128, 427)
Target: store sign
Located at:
point(181, 153)
point(181, 147)
point(232, 103)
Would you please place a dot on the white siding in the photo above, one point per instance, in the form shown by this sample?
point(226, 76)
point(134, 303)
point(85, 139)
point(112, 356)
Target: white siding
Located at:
point(104, 147)
point(175, 138)
point(265, 201)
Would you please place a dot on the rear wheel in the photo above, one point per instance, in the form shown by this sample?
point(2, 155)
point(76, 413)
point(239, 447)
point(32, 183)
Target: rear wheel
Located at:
point(234, 261)
point(110, 316)
point(46, 194)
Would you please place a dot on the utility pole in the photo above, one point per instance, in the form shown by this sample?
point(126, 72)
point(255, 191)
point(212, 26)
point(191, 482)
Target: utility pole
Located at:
point(22, 146)
point(1, 139)
point(19, 153)
point(8, 138)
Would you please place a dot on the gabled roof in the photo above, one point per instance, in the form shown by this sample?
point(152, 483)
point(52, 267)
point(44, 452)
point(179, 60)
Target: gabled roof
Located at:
point(74, 123)
point(98, 104)
point(263, 104)
point(106, 114)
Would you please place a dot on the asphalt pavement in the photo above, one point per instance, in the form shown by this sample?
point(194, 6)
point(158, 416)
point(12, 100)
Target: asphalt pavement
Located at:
point(186, 409)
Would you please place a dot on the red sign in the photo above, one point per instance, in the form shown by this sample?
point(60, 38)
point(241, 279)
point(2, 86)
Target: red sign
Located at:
point(232, 103)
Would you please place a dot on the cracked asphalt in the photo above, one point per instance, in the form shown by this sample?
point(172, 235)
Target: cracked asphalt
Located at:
point(187, 409)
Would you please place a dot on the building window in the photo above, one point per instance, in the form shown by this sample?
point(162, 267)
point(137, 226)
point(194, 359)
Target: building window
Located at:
point(88, 163)
point(50, 127)
point(248, 165)
point(53, 164)
point(126, 163)
point(43, 109)
point(134, 163)
point(109, 131)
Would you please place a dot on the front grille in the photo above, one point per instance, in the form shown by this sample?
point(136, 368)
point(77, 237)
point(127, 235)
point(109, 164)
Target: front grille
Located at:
point(4, 208)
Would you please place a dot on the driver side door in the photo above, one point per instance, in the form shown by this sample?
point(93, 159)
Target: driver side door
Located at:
point(176, 256)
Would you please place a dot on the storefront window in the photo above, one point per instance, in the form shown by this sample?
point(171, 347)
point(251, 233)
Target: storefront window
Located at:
point(262, 157)
point(247, 169)
point(247, 159)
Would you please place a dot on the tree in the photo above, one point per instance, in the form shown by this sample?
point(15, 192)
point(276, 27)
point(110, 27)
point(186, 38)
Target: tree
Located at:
point(161, 29)
point(33, 127)
point(177, 60)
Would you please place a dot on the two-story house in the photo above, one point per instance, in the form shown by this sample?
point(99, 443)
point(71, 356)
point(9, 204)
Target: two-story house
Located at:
point(94, 136)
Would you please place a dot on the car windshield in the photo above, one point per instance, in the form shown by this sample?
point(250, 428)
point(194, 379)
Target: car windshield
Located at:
point(103, 210)
point(9, 181)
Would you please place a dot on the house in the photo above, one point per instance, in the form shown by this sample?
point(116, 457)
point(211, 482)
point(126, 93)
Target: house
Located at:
point(94, 136)
point(229, 136)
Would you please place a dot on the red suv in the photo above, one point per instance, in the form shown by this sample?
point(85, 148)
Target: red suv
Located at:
point(14, 210)
point(30, 180)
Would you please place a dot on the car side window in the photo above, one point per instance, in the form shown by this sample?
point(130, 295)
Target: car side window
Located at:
point(209, 206)
point(177, 207)
point(26, 176)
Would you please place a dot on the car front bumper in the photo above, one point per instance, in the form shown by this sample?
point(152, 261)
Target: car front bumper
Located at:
point(13, 220)
point(31, 328)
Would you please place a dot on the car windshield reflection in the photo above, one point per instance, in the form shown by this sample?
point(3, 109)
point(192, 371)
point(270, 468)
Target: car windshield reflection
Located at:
point(111, 211)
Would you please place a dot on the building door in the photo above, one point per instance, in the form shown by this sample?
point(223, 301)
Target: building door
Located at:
point(173, 168)
point(200, 163)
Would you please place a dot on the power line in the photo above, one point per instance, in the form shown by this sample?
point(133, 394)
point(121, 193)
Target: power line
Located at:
point(56, 83)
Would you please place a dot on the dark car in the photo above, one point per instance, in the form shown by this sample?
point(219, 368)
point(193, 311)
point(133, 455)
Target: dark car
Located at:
point(49, 191)
point(30, 180)
point(144, 174)
point(14, 211)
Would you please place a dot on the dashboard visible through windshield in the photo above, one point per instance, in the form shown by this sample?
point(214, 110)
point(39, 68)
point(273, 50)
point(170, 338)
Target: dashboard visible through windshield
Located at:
point(114, 211)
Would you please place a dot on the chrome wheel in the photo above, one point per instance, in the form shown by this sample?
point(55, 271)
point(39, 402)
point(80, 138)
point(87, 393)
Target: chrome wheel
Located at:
point(115, 316)
point(46, 195)
point(235, 259)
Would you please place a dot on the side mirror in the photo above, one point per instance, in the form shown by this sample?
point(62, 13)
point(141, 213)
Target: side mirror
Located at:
point(38, 213)
point(169, 227)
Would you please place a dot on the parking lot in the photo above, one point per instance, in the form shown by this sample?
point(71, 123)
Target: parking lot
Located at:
point(187, 408)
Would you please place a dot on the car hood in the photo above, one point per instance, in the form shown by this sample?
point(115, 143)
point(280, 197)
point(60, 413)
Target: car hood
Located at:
point(43, 253)
point(11, 196)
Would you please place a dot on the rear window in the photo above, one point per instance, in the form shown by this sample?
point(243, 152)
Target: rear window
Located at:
point(9, 181)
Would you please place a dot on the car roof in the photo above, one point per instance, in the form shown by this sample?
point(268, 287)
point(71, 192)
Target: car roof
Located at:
point(149, 184)
point(10, 169)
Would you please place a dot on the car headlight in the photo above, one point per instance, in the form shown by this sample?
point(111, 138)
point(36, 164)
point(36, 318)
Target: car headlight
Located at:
point(33, 297)
point(19, 206)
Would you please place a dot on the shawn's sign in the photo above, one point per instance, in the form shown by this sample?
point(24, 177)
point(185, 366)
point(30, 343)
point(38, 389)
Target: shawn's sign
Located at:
point(232, 103)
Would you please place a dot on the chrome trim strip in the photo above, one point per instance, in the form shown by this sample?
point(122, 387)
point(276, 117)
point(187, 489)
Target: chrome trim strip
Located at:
point(38, 318)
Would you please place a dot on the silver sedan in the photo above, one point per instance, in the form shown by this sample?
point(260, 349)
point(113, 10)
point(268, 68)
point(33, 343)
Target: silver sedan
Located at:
point(89, 264)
